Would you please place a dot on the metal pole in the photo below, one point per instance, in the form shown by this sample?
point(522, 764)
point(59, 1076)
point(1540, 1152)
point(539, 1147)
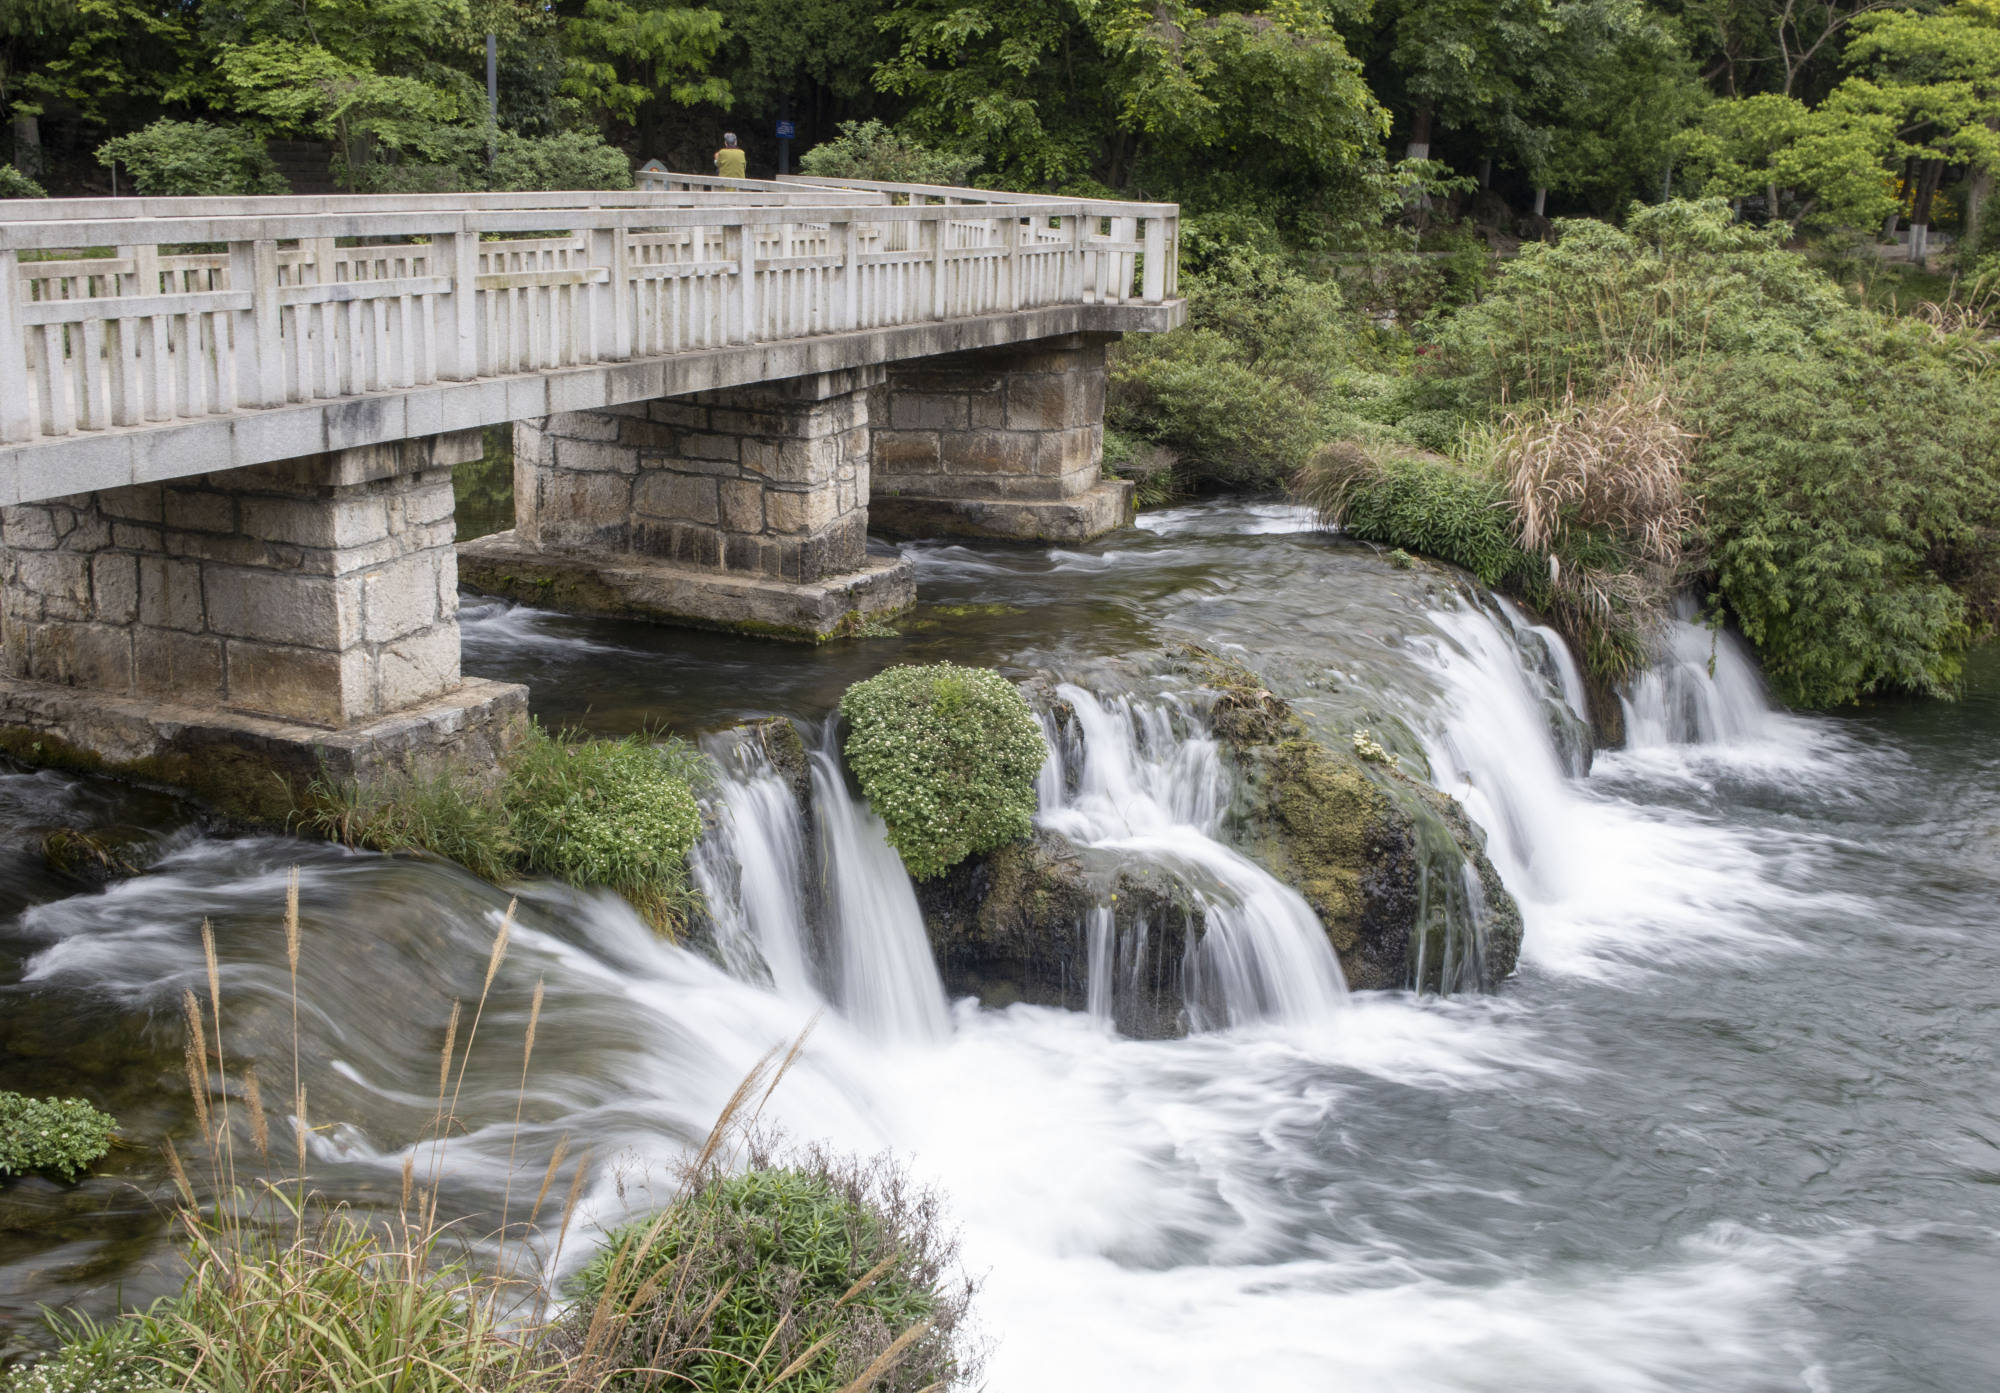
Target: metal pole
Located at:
point(492, 99)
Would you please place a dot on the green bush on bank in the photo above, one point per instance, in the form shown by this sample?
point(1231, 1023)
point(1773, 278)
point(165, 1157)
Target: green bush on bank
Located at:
point(1851, 511)
point(618, 815)
point(62, 1136)
point(195, 159)
point(947, 756)
point(816, 1268)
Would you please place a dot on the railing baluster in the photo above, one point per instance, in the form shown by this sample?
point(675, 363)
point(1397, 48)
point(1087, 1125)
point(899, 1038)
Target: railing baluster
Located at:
point(17, 417)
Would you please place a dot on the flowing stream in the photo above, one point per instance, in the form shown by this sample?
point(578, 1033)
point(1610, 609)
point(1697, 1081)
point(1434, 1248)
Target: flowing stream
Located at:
point(1731, 1126)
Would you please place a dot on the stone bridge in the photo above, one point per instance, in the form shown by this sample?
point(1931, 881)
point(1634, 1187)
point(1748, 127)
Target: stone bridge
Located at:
point(227, 429)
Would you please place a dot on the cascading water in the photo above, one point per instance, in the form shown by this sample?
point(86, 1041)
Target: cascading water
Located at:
point(1729, 1129)
point(1704, 689)
point(1149, 793)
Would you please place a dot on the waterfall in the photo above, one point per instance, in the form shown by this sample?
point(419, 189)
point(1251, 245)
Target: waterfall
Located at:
point(888, 985)
point(1704, 689)
point(751, 870)
point(1150, 787)
point(757, 869)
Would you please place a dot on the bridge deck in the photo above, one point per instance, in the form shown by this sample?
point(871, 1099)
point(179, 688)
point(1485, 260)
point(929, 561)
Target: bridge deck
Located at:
point(149, 339)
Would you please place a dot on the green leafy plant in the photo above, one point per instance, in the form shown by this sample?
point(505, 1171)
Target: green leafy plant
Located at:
point(62, 1136)
point(947, 756)
point(1852, 511)
point(195, 159)
point(618, 815)
point(15, 184)
point(614, 813)
point(871, 150)
point(565, 160)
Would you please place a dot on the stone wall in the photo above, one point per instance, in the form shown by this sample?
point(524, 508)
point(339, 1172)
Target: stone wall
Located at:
point(770, 480)
point(322, 590)
point(1015, 423)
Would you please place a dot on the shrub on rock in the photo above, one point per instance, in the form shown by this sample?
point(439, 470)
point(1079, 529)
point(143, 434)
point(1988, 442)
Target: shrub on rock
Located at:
point(62, 1136)
point(947, 756)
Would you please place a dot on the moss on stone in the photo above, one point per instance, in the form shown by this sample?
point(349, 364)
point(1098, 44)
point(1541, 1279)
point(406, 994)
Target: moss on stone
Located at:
point(1355, 836)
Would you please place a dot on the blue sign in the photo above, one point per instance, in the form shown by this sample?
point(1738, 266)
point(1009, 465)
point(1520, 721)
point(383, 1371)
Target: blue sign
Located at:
point(787, 130)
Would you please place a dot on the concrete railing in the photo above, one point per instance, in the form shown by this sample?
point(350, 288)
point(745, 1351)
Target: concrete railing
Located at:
point(122, 313)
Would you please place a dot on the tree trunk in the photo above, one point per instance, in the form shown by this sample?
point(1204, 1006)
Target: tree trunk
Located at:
point(1977, 193)
point(1920, 213)
point(28, 146)
point(1541, 201)
point(1419, 147)
point(1485, 173)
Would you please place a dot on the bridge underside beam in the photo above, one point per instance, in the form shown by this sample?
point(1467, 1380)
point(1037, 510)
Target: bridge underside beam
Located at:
point(744, 509)
point(999, 442)
point(243, 632)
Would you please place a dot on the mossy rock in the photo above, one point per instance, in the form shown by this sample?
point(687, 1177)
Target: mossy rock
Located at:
point(1366, 845)
point(1007, 925)
point(96, 856)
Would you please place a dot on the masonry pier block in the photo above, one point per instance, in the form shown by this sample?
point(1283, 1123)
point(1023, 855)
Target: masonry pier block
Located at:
point(997, 442)
point(243, 632)
point(744, 509)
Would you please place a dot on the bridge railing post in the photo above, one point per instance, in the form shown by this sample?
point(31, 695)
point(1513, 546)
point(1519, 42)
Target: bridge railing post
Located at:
point(258, 346)
point(459, 259)
point(940, 237)
point(16, 419)
point(746, 281)
point(1154, 288)
point(850, 275)
point(610, 251)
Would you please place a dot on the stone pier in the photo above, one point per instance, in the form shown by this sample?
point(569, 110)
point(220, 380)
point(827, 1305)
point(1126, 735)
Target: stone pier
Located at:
point(998, 442)
point(744, 509)
point(243, 632)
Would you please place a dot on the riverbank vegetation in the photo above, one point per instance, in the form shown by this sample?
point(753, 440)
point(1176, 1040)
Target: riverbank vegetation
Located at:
point(761, 1271)
point(617, 815)
point(947, 757)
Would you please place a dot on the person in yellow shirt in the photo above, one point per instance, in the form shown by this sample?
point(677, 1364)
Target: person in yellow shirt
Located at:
point(729, 161)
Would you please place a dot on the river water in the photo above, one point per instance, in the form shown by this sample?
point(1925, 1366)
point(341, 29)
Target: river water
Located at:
point(1732, 1125)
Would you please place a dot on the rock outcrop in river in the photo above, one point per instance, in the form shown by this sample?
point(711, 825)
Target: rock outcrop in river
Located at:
point(1394, 870)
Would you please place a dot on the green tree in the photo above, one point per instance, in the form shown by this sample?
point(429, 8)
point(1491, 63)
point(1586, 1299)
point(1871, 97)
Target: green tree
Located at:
point(623, 54)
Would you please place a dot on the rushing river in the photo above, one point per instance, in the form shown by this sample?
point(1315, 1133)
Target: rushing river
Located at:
point(1732, 1126)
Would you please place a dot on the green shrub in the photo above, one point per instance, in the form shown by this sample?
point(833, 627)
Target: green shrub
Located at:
point(617, 815)
point(195, 159)
point(620, 814)
point(871, 150)
point(1681, 280)
point(1439, 507)
point(1235, 393)
point(15, 184)
point(566, 160)
point(451, 814)
point(947, 756)
point(1852, 511)
point(819, 1268)
point(62, 1136)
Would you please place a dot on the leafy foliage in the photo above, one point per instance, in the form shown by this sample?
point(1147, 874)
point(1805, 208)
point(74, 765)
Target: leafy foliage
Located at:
point(15, 184)
point(819, 1267)
point(1680, 281)
point(1852, 508)
point(871, 150)
point(565, 160)
point(195, 159)
point(62, 1136)
point(947, 756)
point(612, 814)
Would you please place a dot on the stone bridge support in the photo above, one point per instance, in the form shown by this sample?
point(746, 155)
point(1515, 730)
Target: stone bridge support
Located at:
point(742, 509)
point(999, 442)
point(242, 632)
